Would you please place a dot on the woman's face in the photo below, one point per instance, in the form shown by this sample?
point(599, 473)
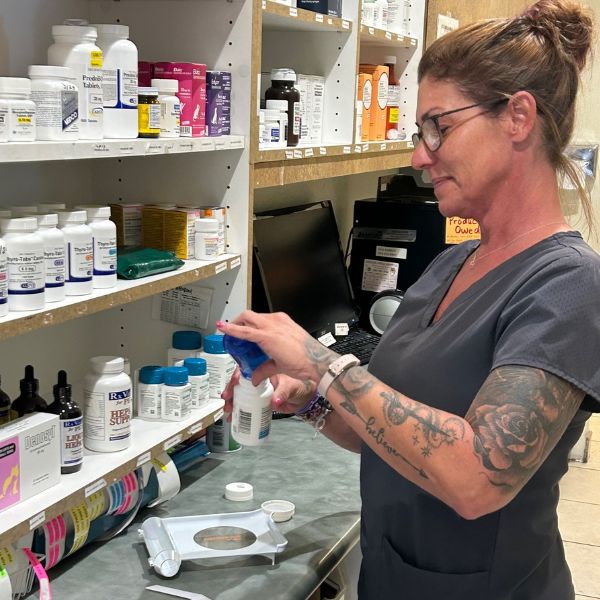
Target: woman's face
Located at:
point(472, 164)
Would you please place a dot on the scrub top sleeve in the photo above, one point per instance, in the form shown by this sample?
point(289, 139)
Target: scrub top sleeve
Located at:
point(552, 322)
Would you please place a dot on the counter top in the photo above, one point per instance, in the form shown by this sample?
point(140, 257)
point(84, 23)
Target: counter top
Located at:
point(320, 478)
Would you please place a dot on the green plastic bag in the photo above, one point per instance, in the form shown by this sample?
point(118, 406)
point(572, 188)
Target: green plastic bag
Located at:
point(142, 262)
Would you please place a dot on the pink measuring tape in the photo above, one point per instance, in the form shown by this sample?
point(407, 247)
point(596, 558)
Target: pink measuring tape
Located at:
point(40, 573)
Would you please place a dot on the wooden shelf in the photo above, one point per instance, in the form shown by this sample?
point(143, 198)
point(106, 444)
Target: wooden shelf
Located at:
point(372, 36)
point(149, 439)
point(74, 307)
point(355, 159)
point(46, 151)
point(280, 17)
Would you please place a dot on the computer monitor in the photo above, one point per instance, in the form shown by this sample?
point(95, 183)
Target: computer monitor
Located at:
point(301, 266)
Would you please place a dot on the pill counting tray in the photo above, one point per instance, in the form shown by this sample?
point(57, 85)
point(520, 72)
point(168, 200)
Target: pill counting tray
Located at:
point(169, 541)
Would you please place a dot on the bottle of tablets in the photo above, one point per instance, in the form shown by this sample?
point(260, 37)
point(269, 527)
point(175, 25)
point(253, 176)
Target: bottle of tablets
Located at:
point(54, 256)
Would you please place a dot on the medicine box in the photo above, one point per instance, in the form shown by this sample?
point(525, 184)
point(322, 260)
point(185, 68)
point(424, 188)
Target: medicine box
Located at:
point(173, 230)
point(377, 124)
point(365, 98)
point(145, 73)
point(192, 93)
point(311, 88)
point(326, 7)
point(218, 103)
point(128, 219)
point(29, 457)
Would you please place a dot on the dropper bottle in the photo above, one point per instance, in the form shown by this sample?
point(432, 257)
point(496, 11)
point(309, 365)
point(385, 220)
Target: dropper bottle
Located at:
point(4, 407)
point(252, 411)
point(29, 401)
point(71, 425)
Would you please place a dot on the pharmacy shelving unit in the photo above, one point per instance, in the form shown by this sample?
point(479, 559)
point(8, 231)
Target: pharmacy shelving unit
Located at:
point(123, 320)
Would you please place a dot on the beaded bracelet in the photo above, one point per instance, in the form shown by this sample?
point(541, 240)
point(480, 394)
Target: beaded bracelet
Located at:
point(315, 411)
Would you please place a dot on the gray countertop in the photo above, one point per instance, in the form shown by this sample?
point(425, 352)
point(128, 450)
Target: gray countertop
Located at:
point(320, 478)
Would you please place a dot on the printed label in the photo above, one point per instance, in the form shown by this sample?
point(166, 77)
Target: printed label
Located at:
point(3, 124)
point(293, 12)
point(56, 110)
point(80, 257)
point(341, 329)
point(25, 273)
point(108, 415)
point(221, 267)
point(105, 256)
point(236, 262)
point(390, 252)
point(21, 123)
point(218, 415)
point(10, 476)
point(347, 150)
point(296, 118)
point(71, 442)
point(101, 149)
point(460, 230)
point(195, 428)
point(144, 458)
point(96, 59)
point(200, 391)
point(379, 275)
point(95, 487)
point(345, 25)
point(318, 17)
point(367, 94)
point(327, 339)
point(308, 153)
point(393, 96)
point(176, 439)
point(54, 258)
point(382, 91)
point(37, 520)
point(149, 119)
point(89, 82)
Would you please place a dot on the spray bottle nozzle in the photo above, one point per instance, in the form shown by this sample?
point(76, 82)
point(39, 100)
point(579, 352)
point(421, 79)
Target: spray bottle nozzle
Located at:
point(246, 354)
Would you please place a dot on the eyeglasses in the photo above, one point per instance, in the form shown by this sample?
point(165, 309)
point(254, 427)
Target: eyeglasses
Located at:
point(432, 133)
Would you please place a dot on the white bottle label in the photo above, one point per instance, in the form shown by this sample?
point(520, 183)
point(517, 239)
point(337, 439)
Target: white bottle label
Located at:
point(79, 261)
point(105, 256)
point(89, 83)
point(56, 111)
point(393, 95)
point(200, 391)
point(3, 124)
point(108, 415)
point(176, 402)
point(154, 116)
point(21, 122)
point(382, 91)
point(219, 376)
point(255, 425)
point(26, 273)
point(207, 245)
point(149, 400)
point(296, 118)
point(3, 278)
point(54, 257)
point(119, 88)
point(71, 442)
point(170, 119)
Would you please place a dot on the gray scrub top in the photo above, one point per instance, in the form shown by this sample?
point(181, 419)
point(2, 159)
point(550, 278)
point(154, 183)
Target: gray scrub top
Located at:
point(538, 309)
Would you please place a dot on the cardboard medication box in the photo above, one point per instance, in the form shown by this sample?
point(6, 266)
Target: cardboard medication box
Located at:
point(128, 219)
point(365, 98)
point(192, 93)
point(173, 230)
point(381, 76)
point(218, 103)
point(29, 457)
point(326, 7)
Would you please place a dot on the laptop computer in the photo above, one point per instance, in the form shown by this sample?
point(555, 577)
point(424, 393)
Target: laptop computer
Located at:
point(298, 268)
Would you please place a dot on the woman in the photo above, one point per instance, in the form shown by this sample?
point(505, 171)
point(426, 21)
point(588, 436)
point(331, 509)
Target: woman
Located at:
point(485, 377)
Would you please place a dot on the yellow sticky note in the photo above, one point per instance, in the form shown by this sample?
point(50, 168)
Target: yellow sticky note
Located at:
point(460, 230)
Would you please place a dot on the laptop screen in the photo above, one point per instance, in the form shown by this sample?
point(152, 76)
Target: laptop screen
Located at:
point(301, 266)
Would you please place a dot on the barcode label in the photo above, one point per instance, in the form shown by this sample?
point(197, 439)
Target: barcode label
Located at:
point(265, 422)
point(245, 422)
point(186, 130)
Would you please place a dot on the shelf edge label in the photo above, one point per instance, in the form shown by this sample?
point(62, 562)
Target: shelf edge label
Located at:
point(95, 487)
point(318, 17)
point(345, 24)
point(308, 153)
point(322, 151)
point(218, 415)
point(236, 262)
point(37, 520)
point(176, 439)
point(195, 428)
point(347, 149)
point(220, 268)
point(293, 12)
point(144, 458)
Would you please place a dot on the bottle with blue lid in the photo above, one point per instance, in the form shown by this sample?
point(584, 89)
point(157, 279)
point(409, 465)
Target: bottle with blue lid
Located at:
point(199, 380)
point(177, 394)
point(185, 344)
point(219, 363)
point(150, 392)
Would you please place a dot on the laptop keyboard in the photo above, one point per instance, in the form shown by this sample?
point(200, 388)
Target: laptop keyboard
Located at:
point(360, 343)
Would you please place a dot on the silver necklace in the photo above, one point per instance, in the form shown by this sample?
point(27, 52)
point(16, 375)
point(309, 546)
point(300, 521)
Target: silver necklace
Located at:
point(476, 256)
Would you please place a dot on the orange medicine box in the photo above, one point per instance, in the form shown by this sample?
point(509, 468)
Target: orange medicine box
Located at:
point(365, 95)
point(381, 76)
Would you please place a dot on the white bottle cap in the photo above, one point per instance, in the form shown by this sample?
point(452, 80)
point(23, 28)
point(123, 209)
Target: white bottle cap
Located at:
point(50, 206)
point(389, 60)
point(239, 491)
point(147, 91)
point(277, 105)
point(84, 32)
point(280, 510)
point(283, 74)
point(26, 210)
point(95, 211)
point(112, 29)
point(207, 225)
point(47, 220)
point(165, 85)
point(5, 214)
point(107, 364)
point(23, 224)
point(71, 217)
point(43, 71)
point(15, 85)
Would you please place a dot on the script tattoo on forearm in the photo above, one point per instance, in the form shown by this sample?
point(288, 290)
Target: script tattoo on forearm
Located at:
point(518, 416)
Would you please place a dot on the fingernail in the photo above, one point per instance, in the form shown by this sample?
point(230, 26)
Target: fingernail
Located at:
point(277, 401)
point(220, 324)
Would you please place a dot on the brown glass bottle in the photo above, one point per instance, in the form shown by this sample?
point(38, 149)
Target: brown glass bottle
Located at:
point(71, 425)
point(29, 400)
point(282, 88)
point(4, 407)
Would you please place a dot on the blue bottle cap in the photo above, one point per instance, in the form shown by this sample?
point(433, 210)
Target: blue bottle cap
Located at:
point(195, 366)
point(151, 374)
point(247, 355)
point(187, 340)
point(175, 375)
point(213, 344)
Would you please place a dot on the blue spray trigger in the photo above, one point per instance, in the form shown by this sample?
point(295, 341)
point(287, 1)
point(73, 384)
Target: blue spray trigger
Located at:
point(246, 354)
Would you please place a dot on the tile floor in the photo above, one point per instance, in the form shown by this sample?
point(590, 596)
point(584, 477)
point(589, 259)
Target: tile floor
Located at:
point(579, 517)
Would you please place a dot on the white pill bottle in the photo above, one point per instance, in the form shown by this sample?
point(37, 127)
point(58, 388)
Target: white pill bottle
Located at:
point(3, 280)
point(79, 252)
point(54, 256)
point(107, 398)
point(252, 412)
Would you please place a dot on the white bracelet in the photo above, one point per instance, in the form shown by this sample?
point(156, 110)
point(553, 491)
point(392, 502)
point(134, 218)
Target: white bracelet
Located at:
point(334, 370)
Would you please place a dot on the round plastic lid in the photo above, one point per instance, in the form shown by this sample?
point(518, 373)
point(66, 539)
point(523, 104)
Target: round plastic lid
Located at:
point(107, 364)
point(47, 219)
point(280, 510)
point(186, 340)
point(195, 366)
point(389, 60)
point(175, 376)
point(96, 212)
point(15, 85)
point(84, 32)
point(213, 344)
point(151, 374)
point(20, 224)
point(71, 216)
point(239, 491)
point(283, 74)
point(279, 105)
point(42, 71)
point(147, 91)
point(26, 210)
point(112, 29)
point(207, 225)
point(165, 85)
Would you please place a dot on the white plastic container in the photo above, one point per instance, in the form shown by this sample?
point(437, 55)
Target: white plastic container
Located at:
point(15, 99)
point(107, 398)
point(170, 107)
point(119, 81)
point(104, 235)
point(75, 47)
point(54, 256)
point(199, 380)
point(24, 211)
point(219, 364)
point(252, 412)
point(3, 279)
point(150, 392)
point(207, 239)
point(274, 132)
point(25, 258)
point(5, 213)
point(277, 111)
point(56, 100)
point(48, 207)
point(79, 252)
point(185, 344)
point(177, 394)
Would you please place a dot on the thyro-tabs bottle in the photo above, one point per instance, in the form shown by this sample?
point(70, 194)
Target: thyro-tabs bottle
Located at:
point(54, 256)
point(56, 98)
point(150, 392)
point(252, 412)
point(26, 269)
point(177, 394)
point(219, 363)
point(104, 236)
point(199, 381)
point(170, 107)
point(207, 239)
point(3, 279)
point(75, 47)
point(71, 425)
point(79, 252)
point(119, 81)
point(185, 344)
point(107, 395)
point(15, 99)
